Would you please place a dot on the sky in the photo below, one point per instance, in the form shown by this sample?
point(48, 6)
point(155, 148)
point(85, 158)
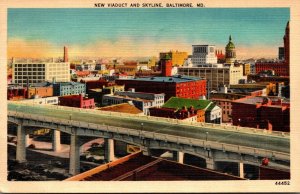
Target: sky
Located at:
point(34, 33)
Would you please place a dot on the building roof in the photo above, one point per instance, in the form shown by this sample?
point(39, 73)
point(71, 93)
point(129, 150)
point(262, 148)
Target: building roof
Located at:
point(170, 79)
point(142, 95)
point(252, 100)
point(230, 44)
point(260, 99)
point(123, 108)
point(203, 45)
point(127, 98)
point(176, 103)
point(41, 84)
point(68, 83)
point(138, 167)
point(210, 107)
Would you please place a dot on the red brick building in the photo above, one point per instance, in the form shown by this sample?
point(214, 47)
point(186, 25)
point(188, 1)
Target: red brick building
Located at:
point(173, 86)
point(77, 101)
point(261, 112)
point(177, 86)
point(280, 68)
point(180, 114)
point(16, 93)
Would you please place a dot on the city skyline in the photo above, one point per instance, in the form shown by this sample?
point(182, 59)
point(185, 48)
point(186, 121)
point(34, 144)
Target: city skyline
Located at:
point(143, 32)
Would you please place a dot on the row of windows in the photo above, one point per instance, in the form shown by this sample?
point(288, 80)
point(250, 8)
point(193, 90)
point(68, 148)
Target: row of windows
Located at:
point(52, 101)
point(72, 90)
point(29, 65)
point(29, 77)
point(58, 68)
point(224, 112)
point(29, 69)
point(59, 73)
point(30, 73)
point(200, 49)
point(30, 81)
point(203, 71)
point(160, 102)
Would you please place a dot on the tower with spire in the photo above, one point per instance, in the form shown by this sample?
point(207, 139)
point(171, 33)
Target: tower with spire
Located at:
point(230, 55)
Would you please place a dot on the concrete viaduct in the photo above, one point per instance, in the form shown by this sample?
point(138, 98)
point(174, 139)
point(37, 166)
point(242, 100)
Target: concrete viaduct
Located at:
point(214, 143)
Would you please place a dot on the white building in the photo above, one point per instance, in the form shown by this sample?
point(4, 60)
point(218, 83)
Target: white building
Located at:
point(213, 114)
point(40, 72)
point(204, 54)
point(217, 75)
point(48, 100)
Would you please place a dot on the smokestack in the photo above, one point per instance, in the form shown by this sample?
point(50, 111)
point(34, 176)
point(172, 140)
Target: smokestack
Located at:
point(66, 54)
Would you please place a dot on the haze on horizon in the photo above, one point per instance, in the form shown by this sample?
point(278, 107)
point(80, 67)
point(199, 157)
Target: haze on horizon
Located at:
point(35, 33)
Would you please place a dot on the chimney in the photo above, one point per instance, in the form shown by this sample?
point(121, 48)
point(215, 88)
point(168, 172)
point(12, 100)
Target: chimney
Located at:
point(65, 54)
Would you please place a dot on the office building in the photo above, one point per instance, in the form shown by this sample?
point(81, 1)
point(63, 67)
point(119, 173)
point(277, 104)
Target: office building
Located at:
point(216, 75)
point(204, 54)
point(40, 72)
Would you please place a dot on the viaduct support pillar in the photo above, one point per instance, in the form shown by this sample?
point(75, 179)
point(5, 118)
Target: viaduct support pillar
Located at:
point(241, 169)
point(21, 144)
point(27, 140)
point(74, 155)
point(210, 163)
point(178, 156)
point(56, 146)
point(109, 153)
point(146, 151)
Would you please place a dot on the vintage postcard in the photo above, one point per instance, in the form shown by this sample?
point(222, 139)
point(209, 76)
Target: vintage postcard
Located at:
point(149, 96)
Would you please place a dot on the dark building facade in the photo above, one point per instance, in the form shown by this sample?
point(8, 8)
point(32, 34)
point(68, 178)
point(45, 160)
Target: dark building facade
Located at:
point(261, 113)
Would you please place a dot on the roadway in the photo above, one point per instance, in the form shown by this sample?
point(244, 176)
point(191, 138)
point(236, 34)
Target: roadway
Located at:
point(259, 141)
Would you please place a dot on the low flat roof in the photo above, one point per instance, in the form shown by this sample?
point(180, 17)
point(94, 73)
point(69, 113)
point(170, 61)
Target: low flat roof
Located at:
point(123, 108)
point(138, 167)
point(177, 79)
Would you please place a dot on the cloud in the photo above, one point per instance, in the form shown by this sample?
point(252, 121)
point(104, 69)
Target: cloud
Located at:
point(127, 47)
point(123, 47)
point(21, 48)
